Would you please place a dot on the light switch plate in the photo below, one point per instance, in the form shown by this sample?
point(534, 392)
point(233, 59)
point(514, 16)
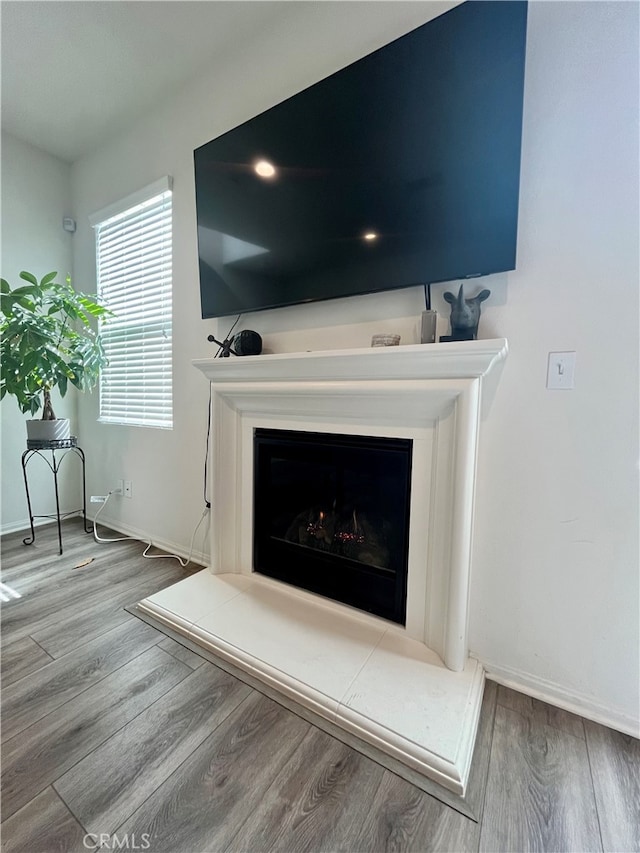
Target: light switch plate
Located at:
point(561, 371)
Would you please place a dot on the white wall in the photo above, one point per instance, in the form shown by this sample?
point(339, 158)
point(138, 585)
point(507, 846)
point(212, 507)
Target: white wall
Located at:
point(555, 584)
point(555, 592)
point(36, 195)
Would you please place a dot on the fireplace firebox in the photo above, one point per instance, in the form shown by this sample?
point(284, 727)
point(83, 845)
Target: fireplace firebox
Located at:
point(331, 515)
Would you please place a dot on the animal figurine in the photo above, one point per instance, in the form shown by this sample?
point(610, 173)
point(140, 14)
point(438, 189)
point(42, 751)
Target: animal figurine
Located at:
point(465, 315)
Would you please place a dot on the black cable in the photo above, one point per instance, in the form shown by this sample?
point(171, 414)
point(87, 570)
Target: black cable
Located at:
point(234, 325)
point(206, 456)
point(221, 348)
point(427, 297)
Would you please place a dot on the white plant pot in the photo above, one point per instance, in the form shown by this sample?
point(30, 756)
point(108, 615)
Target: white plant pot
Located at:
point(57, 430)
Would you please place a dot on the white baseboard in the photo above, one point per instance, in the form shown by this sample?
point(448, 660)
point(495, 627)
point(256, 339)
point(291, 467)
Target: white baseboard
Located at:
point(23, 525)
point(561, 697)
point(197, 557)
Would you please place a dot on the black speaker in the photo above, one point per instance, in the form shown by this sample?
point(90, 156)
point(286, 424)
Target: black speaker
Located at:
point(247, 342)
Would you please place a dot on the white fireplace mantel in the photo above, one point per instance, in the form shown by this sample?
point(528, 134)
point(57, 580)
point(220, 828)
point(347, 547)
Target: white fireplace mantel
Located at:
point(430, 393)
point(411, 691)
point(454, 360)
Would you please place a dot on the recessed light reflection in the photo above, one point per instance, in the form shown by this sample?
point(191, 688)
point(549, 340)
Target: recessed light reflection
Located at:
point(265, 169)
point(370, 235)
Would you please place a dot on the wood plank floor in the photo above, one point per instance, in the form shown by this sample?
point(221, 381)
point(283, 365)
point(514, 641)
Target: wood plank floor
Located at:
point(114, 733)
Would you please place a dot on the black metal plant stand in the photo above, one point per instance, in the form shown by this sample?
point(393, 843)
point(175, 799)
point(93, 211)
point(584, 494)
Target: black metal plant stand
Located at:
point(36, 448)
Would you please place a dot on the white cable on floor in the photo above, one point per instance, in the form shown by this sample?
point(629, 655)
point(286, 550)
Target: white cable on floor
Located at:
point(175, 556)
point(148, 556)
point(95, 525)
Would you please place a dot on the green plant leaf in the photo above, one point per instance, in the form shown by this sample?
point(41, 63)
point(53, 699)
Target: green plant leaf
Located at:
point(83, 317)
point(34, 383)
point(97, 311)
point(48, 339)
point(28, 276)
point(6, 304)
point(4, 286)
point(24, 302)
point(31, 361)
point(24, 346)
point(70, 310)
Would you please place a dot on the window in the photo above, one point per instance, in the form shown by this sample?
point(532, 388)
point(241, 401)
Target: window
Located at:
point(133, 248)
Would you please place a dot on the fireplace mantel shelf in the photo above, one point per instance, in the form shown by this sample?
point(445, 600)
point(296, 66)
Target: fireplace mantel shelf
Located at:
point(455, 360)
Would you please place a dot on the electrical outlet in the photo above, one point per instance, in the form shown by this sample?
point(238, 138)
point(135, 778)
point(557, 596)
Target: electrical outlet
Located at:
point(120, 487)
point(128, 489)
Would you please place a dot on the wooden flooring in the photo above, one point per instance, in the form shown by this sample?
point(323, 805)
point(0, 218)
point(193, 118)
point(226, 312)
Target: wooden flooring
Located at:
point(115, 734)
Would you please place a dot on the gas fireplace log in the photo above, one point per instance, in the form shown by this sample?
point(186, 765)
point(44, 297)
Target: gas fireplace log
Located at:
point(355, 538)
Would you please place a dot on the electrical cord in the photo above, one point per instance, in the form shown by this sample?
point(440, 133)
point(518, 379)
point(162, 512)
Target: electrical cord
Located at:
point(223, 349)
point(427, 297)
point(182, 562)
point(207, 502)
point(145, 553)
point(95, 525)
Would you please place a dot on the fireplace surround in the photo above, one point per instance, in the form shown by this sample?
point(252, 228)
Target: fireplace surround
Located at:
point(412, 691)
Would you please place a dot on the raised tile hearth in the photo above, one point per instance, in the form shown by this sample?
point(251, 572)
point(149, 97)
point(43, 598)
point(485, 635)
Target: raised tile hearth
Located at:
point(412, 692)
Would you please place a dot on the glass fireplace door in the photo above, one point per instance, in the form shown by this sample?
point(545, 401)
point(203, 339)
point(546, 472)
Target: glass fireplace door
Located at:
point(331, 515)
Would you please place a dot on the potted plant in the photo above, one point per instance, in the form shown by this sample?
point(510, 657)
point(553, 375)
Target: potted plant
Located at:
point(48, 340)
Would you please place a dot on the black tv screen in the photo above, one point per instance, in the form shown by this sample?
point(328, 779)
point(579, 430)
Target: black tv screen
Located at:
point(401, 169)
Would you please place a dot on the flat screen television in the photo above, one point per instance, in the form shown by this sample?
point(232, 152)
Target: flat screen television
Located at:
point(401, 169)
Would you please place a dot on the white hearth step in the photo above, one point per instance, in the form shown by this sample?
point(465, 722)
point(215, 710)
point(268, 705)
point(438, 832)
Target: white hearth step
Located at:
point(361, 673)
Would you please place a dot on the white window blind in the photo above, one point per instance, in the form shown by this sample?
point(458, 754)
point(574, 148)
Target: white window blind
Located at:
point(134, 257)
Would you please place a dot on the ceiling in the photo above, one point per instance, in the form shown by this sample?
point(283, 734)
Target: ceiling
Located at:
point(74, 73)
